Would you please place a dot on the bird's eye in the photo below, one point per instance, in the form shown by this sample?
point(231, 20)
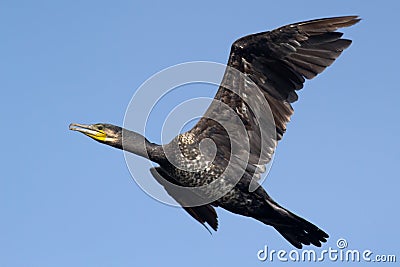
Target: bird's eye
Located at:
point(100, 127)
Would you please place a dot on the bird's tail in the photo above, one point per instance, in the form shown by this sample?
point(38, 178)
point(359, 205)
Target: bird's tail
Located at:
point(293, 228)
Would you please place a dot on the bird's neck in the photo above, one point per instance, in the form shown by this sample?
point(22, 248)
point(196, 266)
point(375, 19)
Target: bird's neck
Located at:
point(137, 144)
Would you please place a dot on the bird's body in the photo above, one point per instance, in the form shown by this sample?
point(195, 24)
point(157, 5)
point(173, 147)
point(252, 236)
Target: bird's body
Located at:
point(277, 63)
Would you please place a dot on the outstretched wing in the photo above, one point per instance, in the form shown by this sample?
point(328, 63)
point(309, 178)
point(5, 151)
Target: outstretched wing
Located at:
point(278, 62)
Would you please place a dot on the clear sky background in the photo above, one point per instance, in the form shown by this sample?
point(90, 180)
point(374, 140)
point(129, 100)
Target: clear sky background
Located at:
point(66, 200)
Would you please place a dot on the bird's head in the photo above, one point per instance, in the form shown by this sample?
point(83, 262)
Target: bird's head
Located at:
point(104, 133)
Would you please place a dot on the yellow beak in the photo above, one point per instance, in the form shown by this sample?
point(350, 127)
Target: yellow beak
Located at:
point(89, 130)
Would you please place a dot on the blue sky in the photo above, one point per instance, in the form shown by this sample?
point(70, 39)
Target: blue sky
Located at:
point(66, 200)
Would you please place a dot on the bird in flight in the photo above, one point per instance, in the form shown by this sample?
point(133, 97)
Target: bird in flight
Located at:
point(277, 63)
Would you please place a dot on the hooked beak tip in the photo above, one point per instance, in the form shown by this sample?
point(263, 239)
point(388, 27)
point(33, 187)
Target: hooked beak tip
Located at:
point(72, 126)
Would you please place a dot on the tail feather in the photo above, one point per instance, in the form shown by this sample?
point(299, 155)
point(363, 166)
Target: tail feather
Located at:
point(293, 228)
point(300, 232)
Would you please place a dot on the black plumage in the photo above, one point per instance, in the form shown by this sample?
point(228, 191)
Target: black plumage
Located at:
point(278, 62)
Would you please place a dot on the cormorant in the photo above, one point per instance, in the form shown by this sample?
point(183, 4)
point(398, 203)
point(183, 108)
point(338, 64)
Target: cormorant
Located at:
point(278, 62)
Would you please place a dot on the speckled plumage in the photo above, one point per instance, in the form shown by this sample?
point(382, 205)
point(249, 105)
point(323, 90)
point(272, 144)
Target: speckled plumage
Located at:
point(273, 66)
point(278, 62)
